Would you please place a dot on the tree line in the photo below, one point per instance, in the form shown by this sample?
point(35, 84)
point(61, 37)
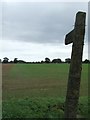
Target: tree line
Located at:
point(47, 60)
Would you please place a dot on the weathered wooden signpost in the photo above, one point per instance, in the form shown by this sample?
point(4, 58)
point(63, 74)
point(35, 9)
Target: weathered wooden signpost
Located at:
point(76, 36)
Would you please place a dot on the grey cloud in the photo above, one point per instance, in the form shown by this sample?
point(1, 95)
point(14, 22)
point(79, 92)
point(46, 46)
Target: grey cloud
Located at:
point(39, 22)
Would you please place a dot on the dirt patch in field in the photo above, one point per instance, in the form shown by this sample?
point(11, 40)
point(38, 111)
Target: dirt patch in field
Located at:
point(6, 68)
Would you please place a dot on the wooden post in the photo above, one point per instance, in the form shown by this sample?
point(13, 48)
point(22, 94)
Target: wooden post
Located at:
point(76, 36)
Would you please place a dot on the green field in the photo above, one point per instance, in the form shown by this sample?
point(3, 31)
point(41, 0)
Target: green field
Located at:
point(42, 84)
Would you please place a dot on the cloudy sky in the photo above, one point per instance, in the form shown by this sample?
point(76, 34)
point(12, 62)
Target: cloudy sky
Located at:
point(33, 30)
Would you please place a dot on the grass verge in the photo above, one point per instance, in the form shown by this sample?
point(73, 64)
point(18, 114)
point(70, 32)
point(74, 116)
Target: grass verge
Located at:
point(41, 108)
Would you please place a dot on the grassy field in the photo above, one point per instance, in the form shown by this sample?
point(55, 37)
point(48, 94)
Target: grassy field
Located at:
point(31, 88)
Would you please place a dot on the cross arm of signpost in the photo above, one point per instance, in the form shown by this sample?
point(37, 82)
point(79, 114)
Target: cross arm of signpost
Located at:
point(69, 37)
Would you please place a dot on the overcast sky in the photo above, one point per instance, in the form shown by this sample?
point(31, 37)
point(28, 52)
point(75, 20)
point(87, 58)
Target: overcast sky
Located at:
point(33, 31)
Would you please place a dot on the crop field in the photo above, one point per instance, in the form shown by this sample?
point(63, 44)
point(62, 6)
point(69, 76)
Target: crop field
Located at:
point(39, 90)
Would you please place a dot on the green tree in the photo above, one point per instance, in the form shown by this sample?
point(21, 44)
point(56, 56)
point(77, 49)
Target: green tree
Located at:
point(5, 60)
point(67, 60)
point(47, 60)
point(15, 60)
point(56, 60)
point(86, 61)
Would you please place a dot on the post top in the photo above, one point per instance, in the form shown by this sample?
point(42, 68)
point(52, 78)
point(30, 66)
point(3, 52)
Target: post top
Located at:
point(80, 19)
point(80, 12)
